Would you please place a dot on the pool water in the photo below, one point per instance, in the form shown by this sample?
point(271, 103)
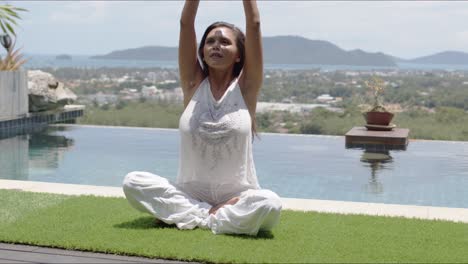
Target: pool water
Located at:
point(433, 173)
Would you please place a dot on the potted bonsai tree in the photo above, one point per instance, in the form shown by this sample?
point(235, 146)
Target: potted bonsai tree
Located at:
point(377, 117)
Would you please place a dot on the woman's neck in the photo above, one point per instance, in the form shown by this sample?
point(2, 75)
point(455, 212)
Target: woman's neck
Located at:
point(220, 80)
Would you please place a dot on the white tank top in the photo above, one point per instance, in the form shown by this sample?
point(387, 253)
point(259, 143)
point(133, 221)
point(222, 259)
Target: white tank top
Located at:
point(216, 161)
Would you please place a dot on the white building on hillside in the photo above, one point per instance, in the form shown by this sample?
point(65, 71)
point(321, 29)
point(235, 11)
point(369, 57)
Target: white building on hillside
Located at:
point(150, 91)
point(263, 107)
point(325, 98)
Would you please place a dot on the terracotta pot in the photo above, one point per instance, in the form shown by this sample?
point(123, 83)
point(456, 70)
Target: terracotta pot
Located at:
point(378, 118)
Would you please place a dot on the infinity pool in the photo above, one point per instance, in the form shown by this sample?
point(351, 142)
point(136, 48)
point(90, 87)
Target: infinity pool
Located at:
point(433, 173)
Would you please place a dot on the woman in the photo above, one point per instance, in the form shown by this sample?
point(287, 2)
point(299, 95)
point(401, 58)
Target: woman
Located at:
point(216, 186)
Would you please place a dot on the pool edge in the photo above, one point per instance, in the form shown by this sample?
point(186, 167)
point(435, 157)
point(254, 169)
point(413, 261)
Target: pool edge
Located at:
point(324, 206)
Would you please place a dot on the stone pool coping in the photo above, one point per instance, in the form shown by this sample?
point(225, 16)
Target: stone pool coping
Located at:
point(325, 206)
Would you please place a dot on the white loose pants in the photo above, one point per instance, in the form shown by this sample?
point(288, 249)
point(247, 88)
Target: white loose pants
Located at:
point(256, 209)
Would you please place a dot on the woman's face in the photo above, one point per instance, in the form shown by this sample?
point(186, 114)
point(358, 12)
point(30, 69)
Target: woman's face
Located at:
point(220, 50)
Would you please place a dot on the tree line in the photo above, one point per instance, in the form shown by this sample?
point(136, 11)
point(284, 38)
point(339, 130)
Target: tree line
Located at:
point(445, 123)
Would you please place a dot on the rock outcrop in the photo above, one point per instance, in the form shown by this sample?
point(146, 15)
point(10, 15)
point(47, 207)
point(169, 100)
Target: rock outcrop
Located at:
point(46, 93)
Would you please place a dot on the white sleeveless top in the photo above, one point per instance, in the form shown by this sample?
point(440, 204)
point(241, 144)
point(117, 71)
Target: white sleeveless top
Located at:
point(216, 161)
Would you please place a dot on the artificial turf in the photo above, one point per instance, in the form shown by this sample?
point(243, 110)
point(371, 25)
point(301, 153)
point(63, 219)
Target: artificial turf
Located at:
point(110, 225)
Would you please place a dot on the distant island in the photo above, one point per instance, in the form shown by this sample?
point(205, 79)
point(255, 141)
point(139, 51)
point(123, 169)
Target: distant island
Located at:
point(63, 57)
point(277, 50)
point(299, 50)
point(143, 53)
point(446, 57)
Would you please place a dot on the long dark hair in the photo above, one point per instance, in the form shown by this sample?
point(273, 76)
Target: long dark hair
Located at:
point(240, 43)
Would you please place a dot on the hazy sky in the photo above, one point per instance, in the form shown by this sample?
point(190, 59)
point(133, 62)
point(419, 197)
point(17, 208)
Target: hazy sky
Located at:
point(406, 29)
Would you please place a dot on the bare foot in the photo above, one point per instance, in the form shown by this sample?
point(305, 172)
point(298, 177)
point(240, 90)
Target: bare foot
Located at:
point(231, 201)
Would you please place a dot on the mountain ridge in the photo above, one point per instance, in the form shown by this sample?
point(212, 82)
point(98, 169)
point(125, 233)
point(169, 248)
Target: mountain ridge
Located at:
point(444, 57)
point(299, 50)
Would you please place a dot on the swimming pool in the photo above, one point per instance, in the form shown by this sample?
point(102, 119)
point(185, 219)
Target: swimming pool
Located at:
point(432, 173)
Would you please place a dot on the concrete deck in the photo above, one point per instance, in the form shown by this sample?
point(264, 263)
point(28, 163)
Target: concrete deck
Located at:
point(326, 206)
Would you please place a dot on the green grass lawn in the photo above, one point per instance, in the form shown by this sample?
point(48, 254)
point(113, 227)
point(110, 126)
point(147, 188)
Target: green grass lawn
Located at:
point(110, 225)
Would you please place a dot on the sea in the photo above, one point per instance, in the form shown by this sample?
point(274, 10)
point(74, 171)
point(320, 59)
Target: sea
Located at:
point(81, 61)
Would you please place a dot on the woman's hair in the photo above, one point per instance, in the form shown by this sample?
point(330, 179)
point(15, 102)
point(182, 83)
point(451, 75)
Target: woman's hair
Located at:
point(240, 43)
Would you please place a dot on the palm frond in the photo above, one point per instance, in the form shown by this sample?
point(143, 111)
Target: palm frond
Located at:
point(13, 21)
point(8, 18)
point(2, 26)
point(10, 28)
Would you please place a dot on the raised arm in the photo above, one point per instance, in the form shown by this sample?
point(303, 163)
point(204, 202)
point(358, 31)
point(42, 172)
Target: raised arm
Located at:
point(252, 73)
point(189, 69)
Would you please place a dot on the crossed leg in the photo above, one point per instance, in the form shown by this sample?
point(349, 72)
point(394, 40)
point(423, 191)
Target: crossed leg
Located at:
point(255, 210)
point(153, 194)
point(247, 214)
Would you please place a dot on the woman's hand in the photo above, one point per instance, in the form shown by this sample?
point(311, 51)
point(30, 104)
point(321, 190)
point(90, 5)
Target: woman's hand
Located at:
point(231, 201)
